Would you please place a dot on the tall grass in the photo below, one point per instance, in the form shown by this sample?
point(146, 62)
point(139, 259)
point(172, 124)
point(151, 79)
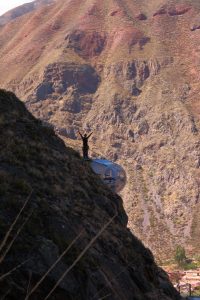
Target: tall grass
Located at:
point(81, 254)
point(6, 245)
point(53, 265)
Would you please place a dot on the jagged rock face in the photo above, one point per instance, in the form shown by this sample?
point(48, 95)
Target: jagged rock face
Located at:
point(129, 71)
point(60, 78)
point(65, 199)
point(86, 44)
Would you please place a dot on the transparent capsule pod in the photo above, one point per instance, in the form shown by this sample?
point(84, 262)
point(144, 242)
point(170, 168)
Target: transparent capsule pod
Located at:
point(112, 174)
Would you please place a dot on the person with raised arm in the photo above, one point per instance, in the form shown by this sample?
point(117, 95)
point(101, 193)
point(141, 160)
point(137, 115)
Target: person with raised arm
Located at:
point(85, 147)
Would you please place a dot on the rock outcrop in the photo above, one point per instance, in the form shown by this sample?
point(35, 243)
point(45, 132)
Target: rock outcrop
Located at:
point(86, 44)
point(134, 81)
point(59, 78)
point(173, 10)
point(195, 24)
point(65, 205)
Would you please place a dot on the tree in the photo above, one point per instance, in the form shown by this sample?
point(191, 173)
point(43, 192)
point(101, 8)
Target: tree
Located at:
point(180, 256)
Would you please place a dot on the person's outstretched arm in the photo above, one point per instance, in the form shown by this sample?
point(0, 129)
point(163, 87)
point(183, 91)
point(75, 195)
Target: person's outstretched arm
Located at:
point(80, 134)
point(90, 134)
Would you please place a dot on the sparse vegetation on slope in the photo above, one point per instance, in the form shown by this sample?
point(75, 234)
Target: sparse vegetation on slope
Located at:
point(53, 208)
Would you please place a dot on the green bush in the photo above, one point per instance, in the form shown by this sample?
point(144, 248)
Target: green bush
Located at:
point(180, 256)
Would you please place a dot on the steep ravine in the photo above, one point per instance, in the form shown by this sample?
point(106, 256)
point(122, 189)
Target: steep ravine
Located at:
point(64, 199)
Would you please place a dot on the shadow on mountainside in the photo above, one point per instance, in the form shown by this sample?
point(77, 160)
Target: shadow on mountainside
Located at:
point(63, 200)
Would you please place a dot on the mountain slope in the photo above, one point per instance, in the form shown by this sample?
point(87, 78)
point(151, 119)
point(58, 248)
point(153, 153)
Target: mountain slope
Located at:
point(129, 71)
point(64, 199)
point(22, 10)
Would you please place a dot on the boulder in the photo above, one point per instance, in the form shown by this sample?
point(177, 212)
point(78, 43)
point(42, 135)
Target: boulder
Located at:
point(141, 17)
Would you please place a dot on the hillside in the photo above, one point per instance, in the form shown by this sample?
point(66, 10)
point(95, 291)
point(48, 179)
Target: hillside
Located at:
point(129, 71)
point(65, 200)
point(22, 10)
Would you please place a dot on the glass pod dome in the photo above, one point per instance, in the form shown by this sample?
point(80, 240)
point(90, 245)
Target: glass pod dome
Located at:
point(112, 174)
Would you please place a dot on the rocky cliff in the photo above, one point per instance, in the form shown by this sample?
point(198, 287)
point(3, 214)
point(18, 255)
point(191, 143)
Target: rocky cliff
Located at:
point(129, 71)
point(64, 205)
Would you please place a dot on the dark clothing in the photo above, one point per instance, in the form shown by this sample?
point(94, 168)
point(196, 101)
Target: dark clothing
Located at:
point(85, 142)
point(85, 152)
point(85, 145)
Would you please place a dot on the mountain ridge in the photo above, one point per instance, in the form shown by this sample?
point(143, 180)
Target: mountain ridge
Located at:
point(22, 10)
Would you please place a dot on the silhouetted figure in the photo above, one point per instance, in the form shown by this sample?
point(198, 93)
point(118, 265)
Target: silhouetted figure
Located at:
point(85, 148)
point(190, 289)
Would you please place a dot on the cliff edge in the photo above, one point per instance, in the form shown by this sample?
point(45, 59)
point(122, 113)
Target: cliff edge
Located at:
point(64, 205)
